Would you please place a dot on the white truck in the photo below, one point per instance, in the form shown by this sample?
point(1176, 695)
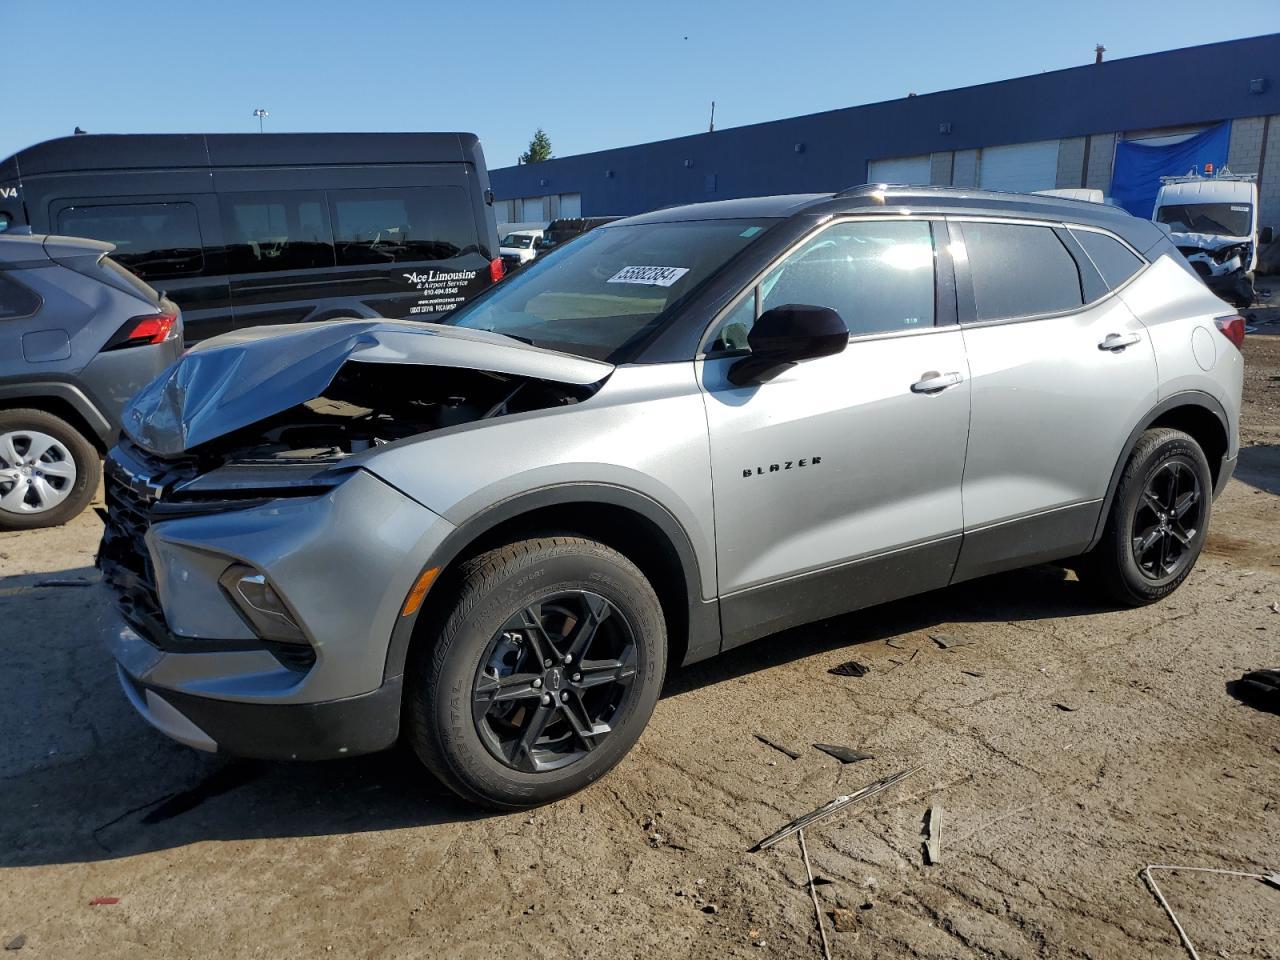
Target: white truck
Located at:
point(1213, 221)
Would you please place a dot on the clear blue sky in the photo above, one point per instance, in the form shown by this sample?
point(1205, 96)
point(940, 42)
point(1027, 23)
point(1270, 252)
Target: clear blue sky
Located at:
point(593, 74)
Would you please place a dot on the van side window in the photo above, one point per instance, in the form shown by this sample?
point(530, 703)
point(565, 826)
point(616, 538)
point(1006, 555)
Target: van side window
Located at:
point(1116, 262)
point(154, 240)
point(16, 300)
point(397, 224)
point(285, 230)
point(1019, 271)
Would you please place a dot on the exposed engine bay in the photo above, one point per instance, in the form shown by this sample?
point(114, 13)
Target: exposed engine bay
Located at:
point(371, 404)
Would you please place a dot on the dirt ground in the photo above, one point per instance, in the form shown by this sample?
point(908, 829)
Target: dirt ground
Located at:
point(1068, 745)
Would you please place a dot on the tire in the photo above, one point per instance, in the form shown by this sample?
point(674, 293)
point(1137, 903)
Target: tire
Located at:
point(459, 721)
point(52, 496)
point(1118, 567)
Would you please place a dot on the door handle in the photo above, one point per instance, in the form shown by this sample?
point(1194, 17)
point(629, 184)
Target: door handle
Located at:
point(934, 382)
point(1116, 342)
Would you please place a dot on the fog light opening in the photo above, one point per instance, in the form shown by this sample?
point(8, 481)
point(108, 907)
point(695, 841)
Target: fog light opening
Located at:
point(261, 606)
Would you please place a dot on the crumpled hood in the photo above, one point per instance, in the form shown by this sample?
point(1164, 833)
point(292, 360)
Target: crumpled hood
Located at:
point(1205, 241)
point(239, 378)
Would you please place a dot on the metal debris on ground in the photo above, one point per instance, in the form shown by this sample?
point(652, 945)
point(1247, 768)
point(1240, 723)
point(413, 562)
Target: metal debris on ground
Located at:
point(1272, 879)
point(777, 746)
point(850, 668)
point(973, 673)
point(902, 663)
point(813, 895)
point(946, 641)
point(17, 943)
point(933, 834)
point(843, 754)
point(830, 807)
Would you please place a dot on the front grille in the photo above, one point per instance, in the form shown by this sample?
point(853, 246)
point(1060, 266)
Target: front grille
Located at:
point(134, 481)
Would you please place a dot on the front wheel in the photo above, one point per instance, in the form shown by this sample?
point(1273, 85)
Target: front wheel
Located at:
point(542, 676)
point(1158, 520)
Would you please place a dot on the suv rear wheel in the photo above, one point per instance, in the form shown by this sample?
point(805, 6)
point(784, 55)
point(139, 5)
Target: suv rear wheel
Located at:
point(1158, 520)
point(48, 471)
point(543, 674)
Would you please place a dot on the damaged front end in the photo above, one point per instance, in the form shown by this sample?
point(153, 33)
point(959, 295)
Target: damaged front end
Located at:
point(1223, 263)
point(285, 414)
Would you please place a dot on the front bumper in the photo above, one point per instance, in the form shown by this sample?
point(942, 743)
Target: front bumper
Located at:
point(344, 562)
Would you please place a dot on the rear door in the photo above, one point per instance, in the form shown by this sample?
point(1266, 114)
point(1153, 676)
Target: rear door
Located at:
point(837, 484)
point(1062, 370)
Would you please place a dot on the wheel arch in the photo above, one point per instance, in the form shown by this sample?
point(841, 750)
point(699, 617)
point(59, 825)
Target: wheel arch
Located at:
point(1195, 413)
point(62, 400)
point(635, 525)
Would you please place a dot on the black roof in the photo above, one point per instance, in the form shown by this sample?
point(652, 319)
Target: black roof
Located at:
point(137, 151)
point(901, 198)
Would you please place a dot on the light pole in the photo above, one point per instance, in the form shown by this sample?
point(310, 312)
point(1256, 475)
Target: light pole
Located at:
point(261, 114)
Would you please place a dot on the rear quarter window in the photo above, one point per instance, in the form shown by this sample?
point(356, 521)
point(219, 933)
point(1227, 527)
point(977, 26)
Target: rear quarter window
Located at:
point(402, 224)
point(1116, 262)
point(1019, 271)
point(16, 299)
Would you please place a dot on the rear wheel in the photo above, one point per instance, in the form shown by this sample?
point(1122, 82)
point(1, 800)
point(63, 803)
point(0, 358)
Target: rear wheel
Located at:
point(48, 471)
point(543, 674)
point(1158, 521)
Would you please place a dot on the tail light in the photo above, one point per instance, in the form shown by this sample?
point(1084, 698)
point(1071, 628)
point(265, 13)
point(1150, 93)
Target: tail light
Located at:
point(144, 331)
point(496, 270)
point(1232, 328)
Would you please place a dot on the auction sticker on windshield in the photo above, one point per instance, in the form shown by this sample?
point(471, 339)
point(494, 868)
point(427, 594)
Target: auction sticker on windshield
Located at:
point(649, 276)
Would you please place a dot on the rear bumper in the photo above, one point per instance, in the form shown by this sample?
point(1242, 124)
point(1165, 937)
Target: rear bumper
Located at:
point(269, 731)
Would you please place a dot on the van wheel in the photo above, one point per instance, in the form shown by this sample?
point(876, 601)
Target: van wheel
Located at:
point(1158, 521)
point(48, 471)
point(543, 674)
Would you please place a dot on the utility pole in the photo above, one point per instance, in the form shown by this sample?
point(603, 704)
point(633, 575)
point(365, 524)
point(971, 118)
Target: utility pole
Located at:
point(1098, 51)
point(261, 114)
point(713, 117)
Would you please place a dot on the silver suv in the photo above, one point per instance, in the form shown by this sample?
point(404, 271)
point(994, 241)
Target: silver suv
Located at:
point(676, 434)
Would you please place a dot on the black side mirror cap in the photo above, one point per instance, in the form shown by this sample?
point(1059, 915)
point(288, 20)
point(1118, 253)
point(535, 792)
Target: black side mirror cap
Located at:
point(786, 335)
point(1266, 236)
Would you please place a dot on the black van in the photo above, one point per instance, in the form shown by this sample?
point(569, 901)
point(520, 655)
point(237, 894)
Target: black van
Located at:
point(247, 229)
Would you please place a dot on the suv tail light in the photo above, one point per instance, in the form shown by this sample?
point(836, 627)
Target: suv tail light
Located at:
point(1232, 328)
point(143, 331)
point(496, 270)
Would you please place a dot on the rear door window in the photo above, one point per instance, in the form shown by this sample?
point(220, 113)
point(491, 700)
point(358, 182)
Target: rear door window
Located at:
point(16, 300)
point(281, 230)
point(401, 224)
point(1019, 270)
point(154, 240)
point(1116, 262)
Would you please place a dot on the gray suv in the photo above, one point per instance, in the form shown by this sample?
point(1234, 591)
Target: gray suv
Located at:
point(79, 335)
point(676, 434)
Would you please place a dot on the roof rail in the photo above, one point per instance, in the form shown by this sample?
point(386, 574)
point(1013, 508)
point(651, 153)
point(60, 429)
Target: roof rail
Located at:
point(1194, 176)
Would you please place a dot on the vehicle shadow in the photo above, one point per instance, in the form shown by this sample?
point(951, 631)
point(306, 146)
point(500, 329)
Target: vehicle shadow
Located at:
point(83, 779)
point(1259, 467)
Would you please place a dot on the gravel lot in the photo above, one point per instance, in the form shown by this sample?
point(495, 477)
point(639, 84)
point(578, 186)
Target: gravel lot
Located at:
point(1069, 745)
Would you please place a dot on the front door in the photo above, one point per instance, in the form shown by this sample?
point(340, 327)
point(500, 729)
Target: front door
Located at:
point(837, 484)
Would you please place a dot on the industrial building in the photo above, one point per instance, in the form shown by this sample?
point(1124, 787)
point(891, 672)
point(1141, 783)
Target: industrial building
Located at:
point(1057, 129)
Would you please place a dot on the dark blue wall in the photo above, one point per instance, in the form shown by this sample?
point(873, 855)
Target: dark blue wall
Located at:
point(1194, 85)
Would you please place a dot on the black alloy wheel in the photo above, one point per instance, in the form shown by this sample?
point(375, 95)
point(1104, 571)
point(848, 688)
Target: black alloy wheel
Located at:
point(1169, 516)
point(552, 680)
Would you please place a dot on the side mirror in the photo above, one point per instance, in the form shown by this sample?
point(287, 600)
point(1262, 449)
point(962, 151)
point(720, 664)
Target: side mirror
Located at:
point(784, 336)
point(1266, 236)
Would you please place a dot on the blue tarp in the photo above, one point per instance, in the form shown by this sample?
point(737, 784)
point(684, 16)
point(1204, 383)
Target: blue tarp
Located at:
point(1135, 180)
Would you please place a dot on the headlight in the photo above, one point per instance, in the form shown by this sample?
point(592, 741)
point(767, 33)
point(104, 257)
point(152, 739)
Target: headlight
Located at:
point(1226, 253)
point(260, 605)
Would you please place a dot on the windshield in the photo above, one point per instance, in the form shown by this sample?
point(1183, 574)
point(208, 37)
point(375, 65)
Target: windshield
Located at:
point(607, 289)
point(1220, 219)
point(522, 241)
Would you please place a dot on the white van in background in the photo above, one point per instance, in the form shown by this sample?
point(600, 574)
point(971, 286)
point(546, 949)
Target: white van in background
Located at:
point(1213, 221)
point(520, 246)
